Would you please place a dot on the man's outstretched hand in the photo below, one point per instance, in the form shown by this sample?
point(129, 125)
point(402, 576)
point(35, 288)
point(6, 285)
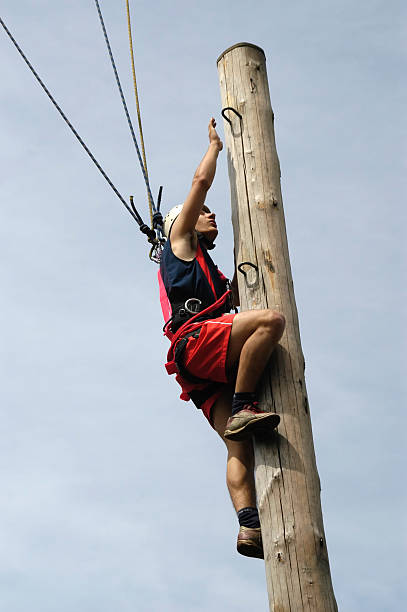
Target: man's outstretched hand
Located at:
point(213, 135)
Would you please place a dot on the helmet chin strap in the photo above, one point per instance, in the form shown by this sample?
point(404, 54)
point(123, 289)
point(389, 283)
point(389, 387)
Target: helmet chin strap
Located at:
point(207, 243)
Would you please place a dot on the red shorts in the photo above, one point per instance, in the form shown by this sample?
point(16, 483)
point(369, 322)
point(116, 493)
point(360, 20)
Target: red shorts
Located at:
point(205, 356)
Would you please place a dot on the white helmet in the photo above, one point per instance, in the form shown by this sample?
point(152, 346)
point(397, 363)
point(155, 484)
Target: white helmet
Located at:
point(170, 218)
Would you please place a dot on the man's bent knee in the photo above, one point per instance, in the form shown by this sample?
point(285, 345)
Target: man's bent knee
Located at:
point(274, 322)
point(247, 323)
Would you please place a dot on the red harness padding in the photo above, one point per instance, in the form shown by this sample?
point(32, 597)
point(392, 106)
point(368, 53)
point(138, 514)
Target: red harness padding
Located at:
point(187, 327)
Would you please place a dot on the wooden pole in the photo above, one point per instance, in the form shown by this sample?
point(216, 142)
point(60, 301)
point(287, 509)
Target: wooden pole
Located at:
point(287, 481)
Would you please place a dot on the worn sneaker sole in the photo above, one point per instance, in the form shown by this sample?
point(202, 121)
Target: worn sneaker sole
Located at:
point(266, 424)
point(250, 549)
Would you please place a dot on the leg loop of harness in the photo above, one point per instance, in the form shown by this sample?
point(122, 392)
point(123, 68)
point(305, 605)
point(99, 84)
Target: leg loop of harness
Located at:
point(200, 397)
point(197, 396)
point(175, 364)
point(178, 358)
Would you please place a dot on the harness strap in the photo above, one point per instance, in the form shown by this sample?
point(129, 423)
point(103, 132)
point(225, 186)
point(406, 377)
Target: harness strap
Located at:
point(205, 269)
point(172, 366)
point(179, 355)
point(164, 301)
point(207, 311)
point(197, 396)
point(200, 397)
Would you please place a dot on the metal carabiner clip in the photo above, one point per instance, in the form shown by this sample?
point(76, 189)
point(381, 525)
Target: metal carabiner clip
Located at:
point(193, 305)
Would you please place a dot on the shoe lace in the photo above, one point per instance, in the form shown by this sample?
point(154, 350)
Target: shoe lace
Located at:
point(253, 407)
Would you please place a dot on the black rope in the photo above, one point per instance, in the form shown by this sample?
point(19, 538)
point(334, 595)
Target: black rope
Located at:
point(64, 117)
point(124, 104)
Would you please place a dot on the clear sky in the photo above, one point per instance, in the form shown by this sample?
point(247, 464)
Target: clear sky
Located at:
point(112, 489)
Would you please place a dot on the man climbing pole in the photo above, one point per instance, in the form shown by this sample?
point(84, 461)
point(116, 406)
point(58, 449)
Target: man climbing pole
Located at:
point(217, 357)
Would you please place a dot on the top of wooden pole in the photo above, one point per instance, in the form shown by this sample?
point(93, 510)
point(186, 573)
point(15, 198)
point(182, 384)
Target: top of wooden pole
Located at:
point(242, 44)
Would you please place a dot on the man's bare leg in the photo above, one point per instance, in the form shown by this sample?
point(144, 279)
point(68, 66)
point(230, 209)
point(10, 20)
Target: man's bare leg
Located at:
point(254, 335)
point(240, 462)
point(240, 480)
point(253, 338)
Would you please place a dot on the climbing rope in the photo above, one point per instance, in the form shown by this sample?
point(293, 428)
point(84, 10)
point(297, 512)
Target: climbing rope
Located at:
point(154, 234)
point(133, 68)
point(142, 166)
point(64, 117)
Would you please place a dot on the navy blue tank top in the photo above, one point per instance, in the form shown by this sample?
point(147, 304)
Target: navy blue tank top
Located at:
point(199, 278)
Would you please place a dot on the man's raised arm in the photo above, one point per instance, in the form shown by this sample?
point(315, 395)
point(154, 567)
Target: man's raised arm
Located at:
point(185, 223)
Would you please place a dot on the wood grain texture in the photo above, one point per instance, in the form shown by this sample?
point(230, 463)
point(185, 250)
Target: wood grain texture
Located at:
point(287, 481)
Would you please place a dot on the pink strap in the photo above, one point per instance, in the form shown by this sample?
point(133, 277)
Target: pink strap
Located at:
point(202, 262)
point(164, 301)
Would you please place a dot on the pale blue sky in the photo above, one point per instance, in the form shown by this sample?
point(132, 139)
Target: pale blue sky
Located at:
point(113, 494)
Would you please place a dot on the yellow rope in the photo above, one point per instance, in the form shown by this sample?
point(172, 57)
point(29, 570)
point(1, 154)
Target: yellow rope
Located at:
point(138, 107)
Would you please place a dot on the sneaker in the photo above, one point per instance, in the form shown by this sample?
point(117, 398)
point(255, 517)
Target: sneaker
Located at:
point(248, 422)
point(249, 542)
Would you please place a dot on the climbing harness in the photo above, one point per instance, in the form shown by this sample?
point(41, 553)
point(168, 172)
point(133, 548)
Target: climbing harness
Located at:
point(153, 233)
point(179, 354)
point(197, 396)
point(195, 323)
point(175, 364)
